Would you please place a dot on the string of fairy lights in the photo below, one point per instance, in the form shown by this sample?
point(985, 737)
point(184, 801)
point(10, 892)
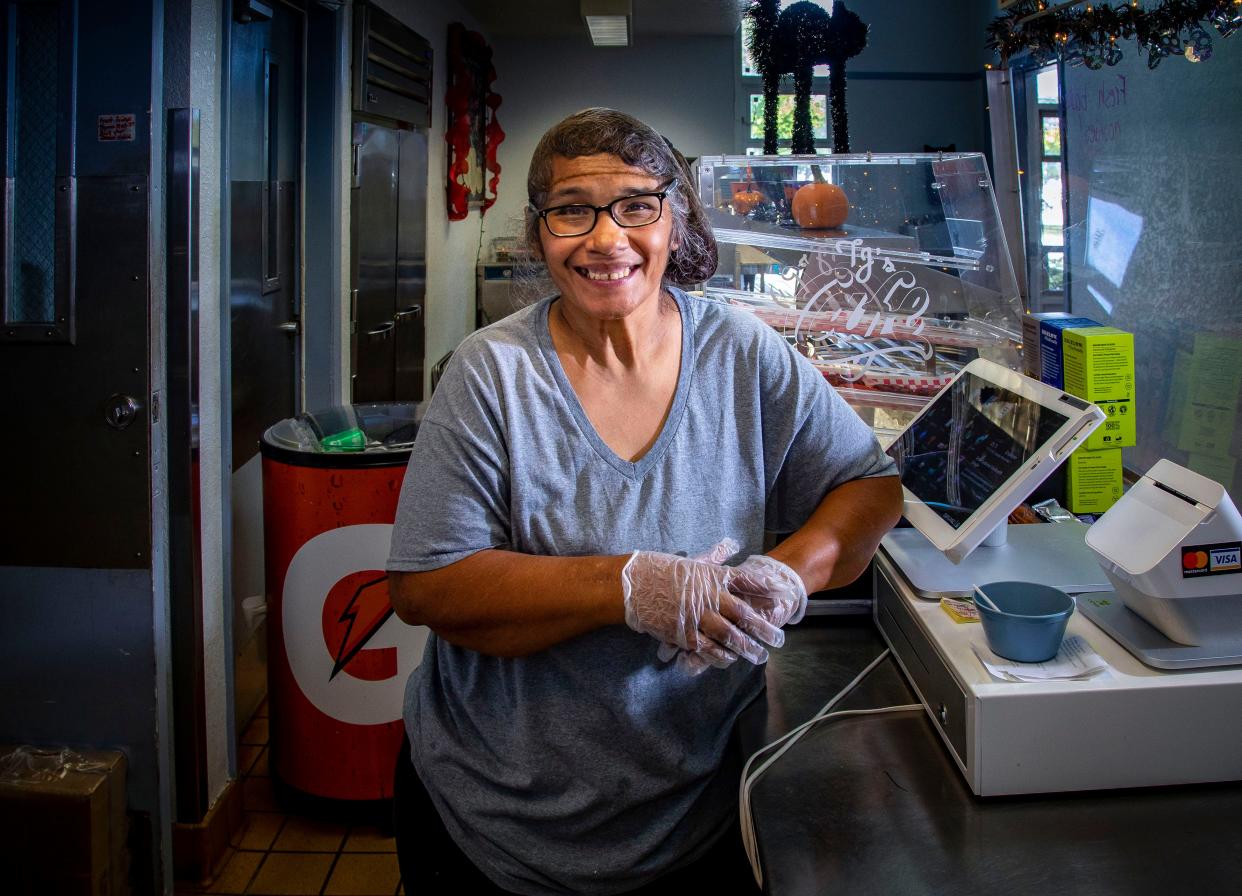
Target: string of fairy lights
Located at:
point(1092, 34)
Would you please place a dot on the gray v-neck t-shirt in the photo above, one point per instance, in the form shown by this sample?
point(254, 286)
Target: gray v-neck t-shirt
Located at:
point(591, 766)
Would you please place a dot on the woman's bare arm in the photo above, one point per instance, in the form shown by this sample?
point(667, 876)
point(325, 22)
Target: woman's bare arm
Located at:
point(508, 604)
point(835, 545)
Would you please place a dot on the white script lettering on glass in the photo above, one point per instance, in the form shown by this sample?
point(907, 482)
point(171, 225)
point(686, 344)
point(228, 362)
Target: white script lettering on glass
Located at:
point(842, 296)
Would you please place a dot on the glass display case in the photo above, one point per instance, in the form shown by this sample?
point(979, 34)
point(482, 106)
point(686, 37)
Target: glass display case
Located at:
point(889, 271)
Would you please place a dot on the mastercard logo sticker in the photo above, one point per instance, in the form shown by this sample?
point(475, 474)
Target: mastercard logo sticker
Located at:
point(1194, 560)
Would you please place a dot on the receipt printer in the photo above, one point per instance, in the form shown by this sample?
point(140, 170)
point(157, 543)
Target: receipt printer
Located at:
point(1172, 549)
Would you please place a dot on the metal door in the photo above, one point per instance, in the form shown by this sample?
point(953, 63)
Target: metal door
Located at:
point(81, 367)
point(265, 159)
point(411, 284)
point(373, 251)
point(74, 356)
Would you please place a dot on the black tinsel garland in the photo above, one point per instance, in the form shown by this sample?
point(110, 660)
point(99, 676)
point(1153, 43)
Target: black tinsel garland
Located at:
point(849, 39)
point(803, 133)
point(1089, 35)
point(836, 101)
point(763, 16)
point(793, 41)
point(800, 30)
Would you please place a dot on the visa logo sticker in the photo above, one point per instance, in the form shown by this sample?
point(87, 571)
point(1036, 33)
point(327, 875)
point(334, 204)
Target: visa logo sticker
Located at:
point(1225, 559)
point(1211, 559)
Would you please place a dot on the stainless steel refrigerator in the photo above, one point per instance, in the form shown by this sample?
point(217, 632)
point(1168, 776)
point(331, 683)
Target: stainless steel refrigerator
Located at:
point(389, 262)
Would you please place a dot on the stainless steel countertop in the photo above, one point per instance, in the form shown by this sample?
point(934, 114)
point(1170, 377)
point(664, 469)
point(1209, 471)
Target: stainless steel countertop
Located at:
point(874, 804)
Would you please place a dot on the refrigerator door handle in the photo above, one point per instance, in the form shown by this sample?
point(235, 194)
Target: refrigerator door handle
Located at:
point(381, 333)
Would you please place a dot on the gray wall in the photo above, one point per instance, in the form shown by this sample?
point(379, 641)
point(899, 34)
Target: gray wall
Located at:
point(919, 81)
point(916, 36)
point(78, 664)
point(683, 87)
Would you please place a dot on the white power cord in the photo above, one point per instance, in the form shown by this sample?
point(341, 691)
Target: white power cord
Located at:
point(748, 779)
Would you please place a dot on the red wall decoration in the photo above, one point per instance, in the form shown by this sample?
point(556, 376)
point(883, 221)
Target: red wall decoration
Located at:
point(473, 134)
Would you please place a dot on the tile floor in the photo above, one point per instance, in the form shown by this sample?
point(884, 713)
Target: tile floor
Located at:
point(290, 850)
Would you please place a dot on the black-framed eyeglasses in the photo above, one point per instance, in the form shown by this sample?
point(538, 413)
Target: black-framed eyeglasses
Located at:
point(635, 210)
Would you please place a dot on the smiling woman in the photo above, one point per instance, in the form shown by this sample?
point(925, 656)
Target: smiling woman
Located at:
point(608, 269)
point(584, 469)
point(627, 140)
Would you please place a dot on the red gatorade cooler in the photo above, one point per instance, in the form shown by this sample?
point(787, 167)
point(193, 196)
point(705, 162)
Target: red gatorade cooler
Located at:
point(338, 657)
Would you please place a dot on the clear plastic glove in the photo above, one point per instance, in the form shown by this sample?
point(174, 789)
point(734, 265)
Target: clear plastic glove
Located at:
point(771, 588)
point(692, 663)
point(688, 662)
point(686, 602)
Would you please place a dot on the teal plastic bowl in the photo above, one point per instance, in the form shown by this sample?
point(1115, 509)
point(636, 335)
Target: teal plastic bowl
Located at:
point(1032, 623)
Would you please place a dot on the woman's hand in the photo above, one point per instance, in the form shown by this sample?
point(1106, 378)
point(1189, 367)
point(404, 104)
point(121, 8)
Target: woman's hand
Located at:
point(686, 602)
point(771, 588)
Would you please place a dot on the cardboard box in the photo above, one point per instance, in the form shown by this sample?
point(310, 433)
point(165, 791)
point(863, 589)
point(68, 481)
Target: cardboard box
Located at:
point(66, 835)
point(1041, 344)
point(1093, 480)
point(1099, 367)
point(1031, 324)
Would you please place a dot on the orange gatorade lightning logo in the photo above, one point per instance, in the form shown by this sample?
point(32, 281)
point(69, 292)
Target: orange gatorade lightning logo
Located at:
point(1211, 559)
point(350, 628)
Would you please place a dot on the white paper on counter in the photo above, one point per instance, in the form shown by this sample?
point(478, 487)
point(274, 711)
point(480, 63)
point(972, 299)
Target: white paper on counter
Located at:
point(1075, 661)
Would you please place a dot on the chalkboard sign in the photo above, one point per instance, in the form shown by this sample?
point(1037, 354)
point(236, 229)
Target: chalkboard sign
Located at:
point(1154, 240)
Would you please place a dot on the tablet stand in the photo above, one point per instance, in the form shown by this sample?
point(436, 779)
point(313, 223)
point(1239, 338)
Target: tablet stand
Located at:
point(1053, 554)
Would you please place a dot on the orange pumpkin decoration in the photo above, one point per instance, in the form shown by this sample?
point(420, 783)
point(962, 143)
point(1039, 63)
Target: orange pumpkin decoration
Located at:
point(820, 206)
point(744, 203)
point(746, 196)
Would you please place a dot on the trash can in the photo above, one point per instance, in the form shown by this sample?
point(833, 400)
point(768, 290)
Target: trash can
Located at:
point(338, 657)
